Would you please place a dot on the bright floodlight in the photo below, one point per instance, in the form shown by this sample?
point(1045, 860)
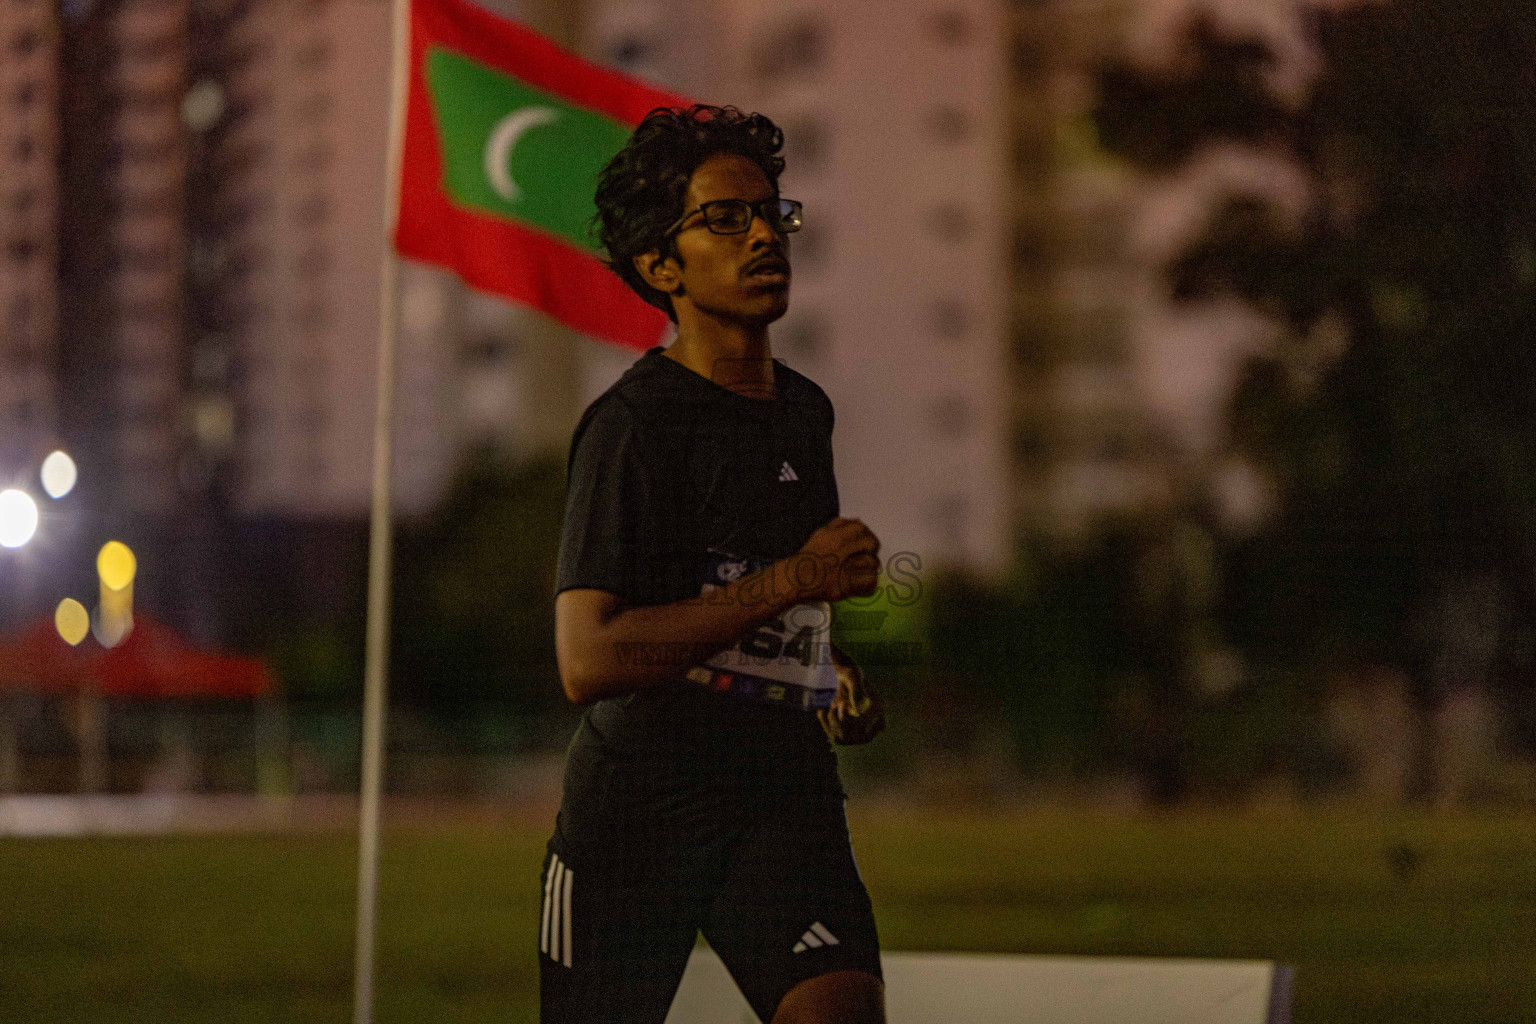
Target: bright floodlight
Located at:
point(115, 565)
point(59, 475)
point(18, 518)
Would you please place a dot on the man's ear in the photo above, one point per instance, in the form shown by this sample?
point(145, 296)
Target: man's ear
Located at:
point(663, 273)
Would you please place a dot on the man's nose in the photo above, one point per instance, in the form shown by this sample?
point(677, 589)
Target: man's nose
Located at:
point(760, 232)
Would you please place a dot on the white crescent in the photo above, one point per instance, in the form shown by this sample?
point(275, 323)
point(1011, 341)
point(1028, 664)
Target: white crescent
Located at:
point(503, 139)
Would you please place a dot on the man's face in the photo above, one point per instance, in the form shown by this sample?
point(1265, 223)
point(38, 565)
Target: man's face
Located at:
point(743, 277)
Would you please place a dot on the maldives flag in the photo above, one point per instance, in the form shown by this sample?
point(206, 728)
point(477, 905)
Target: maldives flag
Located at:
point(505, 134)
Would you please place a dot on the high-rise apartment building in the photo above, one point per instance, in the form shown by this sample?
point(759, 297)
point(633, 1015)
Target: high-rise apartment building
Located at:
point(1083, 448)
point(896, 134)
point(28, 255)
point(309, 353)
point(123, 252)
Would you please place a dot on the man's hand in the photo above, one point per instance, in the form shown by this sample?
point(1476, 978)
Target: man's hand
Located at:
point(857, 714)
point(839, 560)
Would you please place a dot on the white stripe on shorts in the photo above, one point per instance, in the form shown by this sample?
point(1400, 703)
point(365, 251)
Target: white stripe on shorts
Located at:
point(565, 901)
point(556, 918)
point(549, 883)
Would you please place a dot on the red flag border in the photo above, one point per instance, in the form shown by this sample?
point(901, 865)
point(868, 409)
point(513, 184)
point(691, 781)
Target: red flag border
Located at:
point(557, 278)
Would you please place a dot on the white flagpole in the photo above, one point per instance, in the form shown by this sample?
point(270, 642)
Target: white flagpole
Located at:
point(380, 534)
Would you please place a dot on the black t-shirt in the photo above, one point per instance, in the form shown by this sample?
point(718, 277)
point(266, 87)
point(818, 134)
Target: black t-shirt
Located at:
point(667, 467)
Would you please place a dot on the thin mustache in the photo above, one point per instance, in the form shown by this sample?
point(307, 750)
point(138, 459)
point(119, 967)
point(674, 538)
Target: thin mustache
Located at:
point(772, 257)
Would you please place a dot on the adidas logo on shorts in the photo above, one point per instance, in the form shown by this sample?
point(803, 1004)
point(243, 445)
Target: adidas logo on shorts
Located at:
point(787, 473)
point(815, 937)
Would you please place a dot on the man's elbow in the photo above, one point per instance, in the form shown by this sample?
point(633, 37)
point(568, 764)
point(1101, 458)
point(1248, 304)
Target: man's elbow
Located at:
point(580, 620)
point(580, 679)
point(577, 686)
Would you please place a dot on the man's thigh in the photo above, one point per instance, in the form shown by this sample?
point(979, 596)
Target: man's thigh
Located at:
point(792, 905)
point(614, 936)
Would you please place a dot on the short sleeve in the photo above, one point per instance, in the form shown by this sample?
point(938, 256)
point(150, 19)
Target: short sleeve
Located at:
point(607, 489)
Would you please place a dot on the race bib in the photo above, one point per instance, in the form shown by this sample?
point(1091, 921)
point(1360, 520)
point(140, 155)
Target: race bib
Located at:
point(785, 660)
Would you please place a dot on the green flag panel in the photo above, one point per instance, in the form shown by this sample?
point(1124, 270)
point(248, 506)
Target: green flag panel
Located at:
point(514, 151)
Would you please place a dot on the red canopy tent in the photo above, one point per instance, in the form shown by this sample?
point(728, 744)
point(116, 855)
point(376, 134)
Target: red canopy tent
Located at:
point(152, 661)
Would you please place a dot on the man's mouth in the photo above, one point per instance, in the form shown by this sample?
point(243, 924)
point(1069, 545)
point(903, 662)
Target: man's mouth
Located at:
point(771, 269)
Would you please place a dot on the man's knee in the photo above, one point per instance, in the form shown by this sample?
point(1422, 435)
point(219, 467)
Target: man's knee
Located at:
point(841, 997)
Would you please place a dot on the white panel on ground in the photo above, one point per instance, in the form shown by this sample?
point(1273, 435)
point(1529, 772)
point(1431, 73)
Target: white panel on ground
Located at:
point(941, 988)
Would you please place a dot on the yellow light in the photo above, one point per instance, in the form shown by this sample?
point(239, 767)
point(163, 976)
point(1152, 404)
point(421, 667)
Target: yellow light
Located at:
point(72, 620)
point(18, 518)
point(59, 474)
point(113, 618)
point(115, 565)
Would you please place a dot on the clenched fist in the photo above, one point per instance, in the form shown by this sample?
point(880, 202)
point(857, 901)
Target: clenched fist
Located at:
point(839, 560)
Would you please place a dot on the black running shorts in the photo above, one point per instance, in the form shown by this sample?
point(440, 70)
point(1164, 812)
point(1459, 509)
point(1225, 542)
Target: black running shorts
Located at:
point(743, 839)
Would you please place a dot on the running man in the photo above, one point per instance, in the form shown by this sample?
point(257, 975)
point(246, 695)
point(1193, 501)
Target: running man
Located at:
point(700, 551)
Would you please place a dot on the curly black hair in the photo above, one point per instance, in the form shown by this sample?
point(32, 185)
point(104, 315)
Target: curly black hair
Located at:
point(640, 192)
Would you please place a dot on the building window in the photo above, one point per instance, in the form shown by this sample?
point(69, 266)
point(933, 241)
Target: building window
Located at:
point(1028, 57)
point(1031, 344)
point(950, 416)
point(311, 317)
point(950, 27)
point(315, 55)
point(19, 331)
point(1116, 444)
point(798, 48)
point(950, 222)
point(948, 124)
point(1099, 234)
point(1100, 334)
point(1031, 153)
point(806, 144)
point(147, 49)
point(804, 337)
point(145, 312)
point(314, 106)
point(21, 250)
point(149, 203)
point(948, 516)
point(25, 42)
point(314, 157)
point(1029, 251)
point(630, 51)
point(314, 208)
point(1031, 446)
point(808, 246)
point(950, 319)
point(490, 352)
point(312, 261)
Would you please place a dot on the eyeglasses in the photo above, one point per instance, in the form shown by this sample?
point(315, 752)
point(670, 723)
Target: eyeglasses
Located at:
point(733, 216)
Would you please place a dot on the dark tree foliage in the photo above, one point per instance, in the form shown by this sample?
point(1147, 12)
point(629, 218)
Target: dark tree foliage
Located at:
point(1410, 458)
point(474, 595)
point(1051, 656)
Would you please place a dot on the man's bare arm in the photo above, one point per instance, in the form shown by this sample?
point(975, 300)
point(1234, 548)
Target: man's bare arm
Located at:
point(606, 648)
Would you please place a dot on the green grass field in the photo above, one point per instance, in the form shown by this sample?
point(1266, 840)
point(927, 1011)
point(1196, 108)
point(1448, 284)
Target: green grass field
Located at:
point(223, 929)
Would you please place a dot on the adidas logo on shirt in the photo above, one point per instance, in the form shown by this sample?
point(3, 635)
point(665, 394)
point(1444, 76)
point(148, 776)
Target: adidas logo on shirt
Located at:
point(815, 937)
point(787, 473)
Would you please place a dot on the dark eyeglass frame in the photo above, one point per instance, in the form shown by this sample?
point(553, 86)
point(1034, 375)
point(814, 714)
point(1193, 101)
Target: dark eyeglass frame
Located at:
point(789, 210)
